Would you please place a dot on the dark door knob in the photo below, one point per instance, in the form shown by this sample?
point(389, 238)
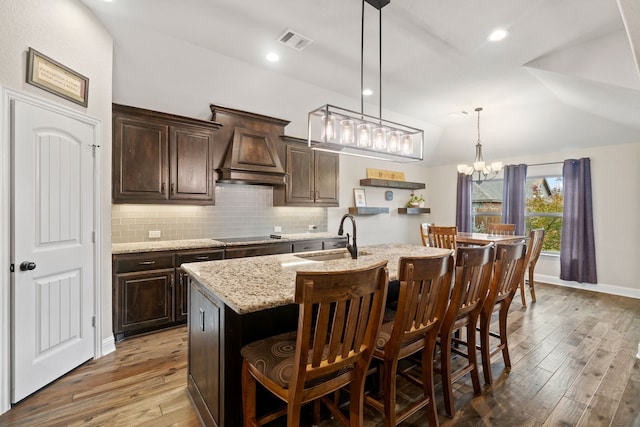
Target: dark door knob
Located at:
point(27, 265)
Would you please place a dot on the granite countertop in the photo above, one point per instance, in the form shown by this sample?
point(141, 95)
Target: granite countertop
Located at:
point(172, 245)
point(257, 283)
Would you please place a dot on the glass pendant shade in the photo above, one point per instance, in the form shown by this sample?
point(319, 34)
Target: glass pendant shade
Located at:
point(362, 135)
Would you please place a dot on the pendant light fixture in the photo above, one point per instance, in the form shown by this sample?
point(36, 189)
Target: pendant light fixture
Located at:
point(344, 131)
point(483, 171)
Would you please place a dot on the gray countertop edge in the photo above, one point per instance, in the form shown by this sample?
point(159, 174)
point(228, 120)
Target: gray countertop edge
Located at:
point(172, 245)
point(252, 284)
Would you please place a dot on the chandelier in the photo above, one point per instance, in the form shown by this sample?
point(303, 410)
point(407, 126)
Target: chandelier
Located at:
point(336, 129)
point(483, 171)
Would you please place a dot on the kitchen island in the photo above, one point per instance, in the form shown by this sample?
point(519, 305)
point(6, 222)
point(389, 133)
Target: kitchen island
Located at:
point(237, 301)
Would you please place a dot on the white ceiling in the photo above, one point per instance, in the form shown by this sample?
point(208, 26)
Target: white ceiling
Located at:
point(565, 77)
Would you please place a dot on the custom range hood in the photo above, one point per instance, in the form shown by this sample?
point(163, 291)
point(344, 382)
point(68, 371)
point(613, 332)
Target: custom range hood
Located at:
point(252, 147)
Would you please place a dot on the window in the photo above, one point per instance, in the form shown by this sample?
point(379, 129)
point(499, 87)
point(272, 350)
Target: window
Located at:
point(543, 207)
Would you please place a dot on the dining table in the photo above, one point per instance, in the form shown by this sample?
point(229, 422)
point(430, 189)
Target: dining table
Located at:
point(467, 238)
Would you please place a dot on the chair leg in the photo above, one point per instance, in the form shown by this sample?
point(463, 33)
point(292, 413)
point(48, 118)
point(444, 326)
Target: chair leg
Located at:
point(427, 381)
point(356, 396)
point(248, 396)
point(445, 373)
point(390, 369)
point(485, 350)
point(531, 286)
point(473, 359)
point(502, 316)
point(522, 296)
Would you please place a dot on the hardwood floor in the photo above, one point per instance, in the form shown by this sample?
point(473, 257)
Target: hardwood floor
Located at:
point(573, 356)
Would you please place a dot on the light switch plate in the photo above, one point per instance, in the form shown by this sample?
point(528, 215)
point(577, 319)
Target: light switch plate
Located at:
point(277, 229)
point(155, 234)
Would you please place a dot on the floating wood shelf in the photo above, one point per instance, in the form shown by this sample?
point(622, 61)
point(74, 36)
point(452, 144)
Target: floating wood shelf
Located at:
point(413, 211)
point(373, 182)
point(368, 211)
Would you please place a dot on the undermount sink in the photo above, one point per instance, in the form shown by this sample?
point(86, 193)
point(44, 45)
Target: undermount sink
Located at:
point(328, 257)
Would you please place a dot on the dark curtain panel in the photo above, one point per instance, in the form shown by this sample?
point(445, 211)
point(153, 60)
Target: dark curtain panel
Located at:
point(513, 196)
point(577, 247)
point(463, 203)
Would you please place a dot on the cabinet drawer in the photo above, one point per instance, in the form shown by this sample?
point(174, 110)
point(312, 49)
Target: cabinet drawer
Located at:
point(307, 246)
point(141, 262)
point(199, 256)
point(334, 243)
point(248, 251)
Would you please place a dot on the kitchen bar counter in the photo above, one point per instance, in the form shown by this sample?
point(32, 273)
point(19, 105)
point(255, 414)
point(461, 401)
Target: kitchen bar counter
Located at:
point(237, 301)
point(172, 245)
point(252, 284)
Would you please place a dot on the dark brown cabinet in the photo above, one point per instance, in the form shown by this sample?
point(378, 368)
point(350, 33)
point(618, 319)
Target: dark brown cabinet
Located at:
point(204, 354)
point(161, 158)
point(257, 250)
point(312, 177)
point(150, 290)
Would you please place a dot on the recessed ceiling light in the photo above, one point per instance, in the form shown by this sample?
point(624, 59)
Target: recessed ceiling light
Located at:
point(273, 57)
point(367, 92)
point(498, 35)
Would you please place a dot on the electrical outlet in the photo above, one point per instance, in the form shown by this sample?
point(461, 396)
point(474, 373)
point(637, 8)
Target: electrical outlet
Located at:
point(155, 234)
point(277, 229)
point(312, 227)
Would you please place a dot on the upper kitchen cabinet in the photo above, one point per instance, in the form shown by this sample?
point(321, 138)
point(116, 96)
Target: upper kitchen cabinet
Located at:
point(313, 176)
point(162, 158)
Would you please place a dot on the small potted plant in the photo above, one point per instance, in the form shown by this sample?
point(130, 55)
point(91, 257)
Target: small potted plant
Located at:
point(415, 201)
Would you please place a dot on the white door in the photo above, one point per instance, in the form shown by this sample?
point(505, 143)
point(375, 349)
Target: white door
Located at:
point(52, 245)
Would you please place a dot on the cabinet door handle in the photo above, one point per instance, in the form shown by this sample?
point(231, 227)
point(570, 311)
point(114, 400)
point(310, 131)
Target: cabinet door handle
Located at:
point(202, 319)
point(171, 281)
point(173, 188)
point(146, 262)
point(202, 257)
point(162, 187)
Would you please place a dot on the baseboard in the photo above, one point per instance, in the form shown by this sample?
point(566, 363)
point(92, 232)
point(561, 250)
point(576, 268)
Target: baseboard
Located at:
point(599, 287)
point(108, 345)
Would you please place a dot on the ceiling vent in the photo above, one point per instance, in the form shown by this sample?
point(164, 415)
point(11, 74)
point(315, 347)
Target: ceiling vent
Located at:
point(294, 40)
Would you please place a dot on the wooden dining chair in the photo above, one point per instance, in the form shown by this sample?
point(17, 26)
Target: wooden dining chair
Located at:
point(507, 273)
point(443, 237)
point(424, 233)
point(534, 248)
point(340, 313)
point(500, 229)
point(472, 276)
point(424, 294)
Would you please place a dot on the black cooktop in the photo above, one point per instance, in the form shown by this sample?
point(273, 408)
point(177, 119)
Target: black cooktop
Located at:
point(247, 239)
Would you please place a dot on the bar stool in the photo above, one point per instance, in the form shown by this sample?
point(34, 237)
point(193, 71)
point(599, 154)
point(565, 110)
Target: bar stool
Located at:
point(340, 313)
point(472, 277)
point(424, 293)
point(507, 273)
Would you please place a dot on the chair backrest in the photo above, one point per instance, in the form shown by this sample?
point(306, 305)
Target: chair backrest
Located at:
point(499, 229)
point(340, 315)
point(424, 233)
point(474, 265)
point(507, 271)
point(443, 237)
point(425, 283)
point(536, 238)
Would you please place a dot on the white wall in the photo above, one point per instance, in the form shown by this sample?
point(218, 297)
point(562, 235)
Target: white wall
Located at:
point(616, 203)
point(66, 31)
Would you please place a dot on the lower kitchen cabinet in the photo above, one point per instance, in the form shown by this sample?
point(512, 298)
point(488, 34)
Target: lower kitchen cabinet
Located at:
point(144, 301)
point(182, 285)
point(257, 250)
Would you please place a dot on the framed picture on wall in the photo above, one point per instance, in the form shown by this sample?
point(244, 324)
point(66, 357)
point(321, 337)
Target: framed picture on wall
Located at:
point(54, 77)
point(359, 197)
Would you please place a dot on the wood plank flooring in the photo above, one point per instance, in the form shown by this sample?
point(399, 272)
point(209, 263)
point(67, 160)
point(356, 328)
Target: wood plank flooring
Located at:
point(573, 355)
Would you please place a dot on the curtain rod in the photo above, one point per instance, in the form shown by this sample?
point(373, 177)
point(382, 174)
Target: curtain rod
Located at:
point(545, 164)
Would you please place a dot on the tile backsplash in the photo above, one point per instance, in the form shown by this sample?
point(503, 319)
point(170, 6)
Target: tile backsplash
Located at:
point(240, 210)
